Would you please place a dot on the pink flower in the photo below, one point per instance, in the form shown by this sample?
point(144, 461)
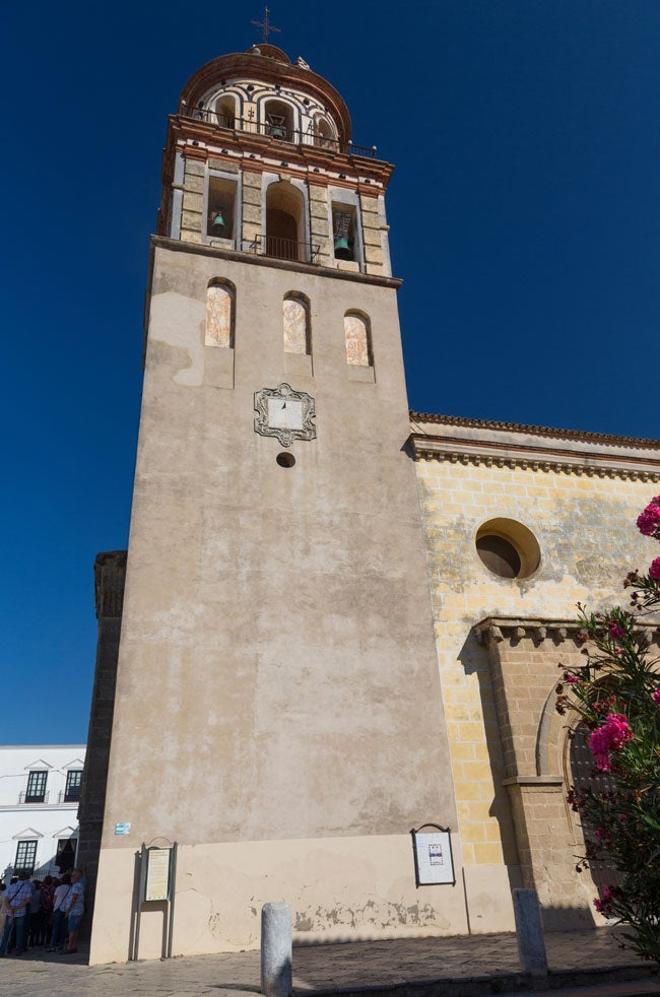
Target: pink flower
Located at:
point(616, 631)
point(600, 833)
point(654, 570)
point(604, 904)
point(649, 520)
point(612, 736)
point(655, 695)
point(571, 679)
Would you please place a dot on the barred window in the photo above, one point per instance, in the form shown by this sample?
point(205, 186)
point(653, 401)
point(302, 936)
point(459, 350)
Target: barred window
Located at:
point(26, 854)
point(73, 783)
point(36, 787)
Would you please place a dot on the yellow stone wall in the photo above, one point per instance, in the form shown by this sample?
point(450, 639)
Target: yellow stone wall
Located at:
point(586, 530)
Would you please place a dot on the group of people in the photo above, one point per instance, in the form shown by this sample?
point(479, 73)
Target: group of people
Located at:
point(44, 912)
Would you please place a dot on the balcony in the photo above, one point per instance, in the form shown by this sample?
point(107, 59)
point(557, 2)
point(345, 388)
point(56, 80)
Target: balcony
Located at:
point(283, 249)
point(33, 798)
point(279, 133)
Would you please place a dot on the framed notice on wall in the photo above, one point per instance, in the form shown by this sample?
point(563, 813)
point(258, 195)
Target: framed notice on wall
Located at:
point(434, 862)
point(157, 880)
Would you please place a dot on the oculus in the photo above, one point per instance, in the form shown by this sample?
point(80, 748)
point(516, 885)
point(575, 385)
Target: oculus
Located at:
point(286, 414)
point(508, 548)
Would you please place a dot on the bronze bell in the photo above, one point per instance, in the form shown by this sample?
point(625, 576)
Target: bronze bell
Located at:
point(342, 248)
point(218, 222)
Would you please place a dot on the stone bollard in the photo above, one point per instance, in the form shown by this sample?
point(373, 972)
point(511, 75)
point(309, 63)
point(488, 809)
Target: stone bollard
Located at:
point(276, 952)
point(529, 932)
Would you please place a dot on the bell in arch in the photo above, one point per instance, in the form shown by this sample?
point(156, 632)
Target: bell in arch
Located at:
point(217, 222)
point(341, 231)
point(277, 124)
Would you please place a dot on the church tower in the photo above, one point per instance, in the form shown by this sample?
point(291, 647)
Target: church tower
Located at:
point(277, 710)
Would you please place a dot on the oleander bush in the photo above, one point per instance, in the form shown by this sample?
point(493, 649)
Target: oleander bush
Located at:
point(614, 697)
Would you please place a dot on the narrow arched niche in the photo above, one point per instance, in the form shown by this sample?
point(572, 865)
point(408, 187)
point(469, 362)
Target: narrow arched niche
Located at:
point(220, 314)
point(357, 336)
point(296, 332)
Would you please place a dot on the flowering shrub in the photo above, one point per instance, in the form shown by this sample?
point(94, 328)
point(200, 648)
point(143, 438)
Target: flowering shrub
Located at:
point(615, 697)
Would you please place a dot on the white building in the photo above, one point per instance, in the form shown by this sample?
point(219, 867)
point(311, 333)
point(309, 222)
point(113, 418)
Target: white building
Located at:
point(39, 794)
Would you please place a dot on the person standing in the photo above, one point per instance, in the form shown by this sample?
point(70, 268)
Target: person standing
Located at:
point(59, 917)
point(19, 898)
point(47, 900)
point(74, 908)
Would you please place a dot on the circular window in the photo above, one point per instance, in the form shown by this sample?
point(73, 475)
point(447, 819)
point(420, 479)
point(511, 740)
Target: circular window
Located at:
point(508, 548)
point(285, 459)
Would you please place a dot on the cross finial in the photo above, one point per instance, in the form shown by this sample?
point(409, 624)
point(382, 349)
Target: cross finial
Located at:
point(266, 26)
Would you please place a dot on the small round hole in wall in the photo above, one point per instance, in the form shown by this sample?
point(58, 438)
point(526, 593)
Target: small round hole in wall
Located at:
point(507, 548)
point(285, 459)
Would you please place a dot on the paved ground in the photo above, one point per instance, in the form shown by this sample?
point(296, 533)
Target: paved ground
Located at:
point(330, 968)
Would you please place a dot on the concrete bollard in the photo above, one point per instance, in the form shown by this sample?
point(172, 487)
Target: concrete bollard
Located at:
point(276, 950)
point(529, 932)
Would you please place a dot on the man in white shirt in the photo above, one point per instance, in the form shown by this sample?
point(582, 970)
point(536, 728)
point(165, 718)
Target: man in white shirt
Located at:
point(62, 892)
point(18, 897)
point(74, 908)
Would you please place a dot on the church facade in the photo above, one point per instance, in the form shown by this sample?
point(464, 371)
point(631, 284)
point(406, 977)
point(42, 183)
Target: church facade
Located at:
point(337, 621)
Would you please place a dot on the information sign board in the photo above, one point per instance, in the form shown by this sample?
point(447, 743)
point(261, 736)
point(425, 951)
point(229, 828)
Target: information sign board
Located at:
point(434, 862)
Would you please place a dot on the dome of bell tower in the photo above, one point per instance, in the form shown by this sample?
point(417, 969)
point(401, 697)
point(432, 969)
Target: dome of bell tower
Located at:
point(237, 88)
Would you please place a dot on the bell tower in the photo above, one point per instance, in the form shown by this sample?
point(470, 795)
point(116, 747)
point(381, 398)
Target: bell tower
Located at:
point(277, 709)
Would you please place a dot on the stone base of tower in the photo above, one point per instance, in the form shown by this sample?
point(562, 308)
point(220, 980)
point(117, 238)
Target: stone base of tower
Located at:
point(338, 889)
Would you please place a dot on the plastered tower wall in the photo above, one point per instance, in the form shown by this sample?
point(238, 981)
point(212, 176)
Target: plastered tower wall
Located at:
point(278, 710)
point(500, 641)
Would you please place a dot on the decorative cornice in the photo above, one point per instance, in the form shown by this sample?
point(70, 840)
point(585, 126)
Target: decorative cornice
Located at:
point(507, 453)
point(304, 157)
point(175, 245)
point(495, 629)
point(515, 427)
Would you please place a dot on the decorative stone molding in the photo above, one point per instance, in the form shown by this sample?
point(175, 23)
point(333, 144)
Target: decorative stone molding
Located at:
point(492, 453)
point(264, 421)
point(494, 630)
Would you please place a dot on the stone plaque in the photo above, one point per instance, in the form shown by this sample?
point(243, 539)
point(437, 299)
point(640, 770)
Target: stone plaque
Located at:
point(157, 884)
point(285, 414)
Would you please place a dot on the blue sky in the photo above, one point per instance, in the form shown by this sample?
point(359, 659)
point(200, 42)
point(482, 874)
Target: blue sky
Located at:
point(525, 220)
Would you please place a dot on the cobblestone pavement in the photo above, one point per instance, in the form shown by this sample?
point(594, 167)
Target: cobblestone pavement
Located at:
point(316, 967)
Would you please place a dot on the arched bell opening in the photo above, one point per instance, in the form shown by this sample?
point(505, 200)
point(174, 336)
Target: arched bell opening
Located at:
point(278, 120)
point(225, 111)
point(324, 135)
point(285, 213)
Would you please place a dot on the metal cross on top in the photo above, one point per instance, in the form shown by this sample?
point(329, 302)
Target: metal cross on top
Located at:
point(266, 26)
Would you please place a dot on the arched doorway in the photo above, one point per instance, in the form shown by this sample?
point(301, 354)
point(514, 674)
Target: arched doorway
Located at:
point(585, 776)
point(285, 222)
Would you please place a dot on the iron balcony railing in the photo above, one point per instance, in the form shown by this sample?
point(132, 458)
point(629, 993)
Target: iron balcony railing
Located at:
point(279, 132)
point(23, 797)
point(282, 249)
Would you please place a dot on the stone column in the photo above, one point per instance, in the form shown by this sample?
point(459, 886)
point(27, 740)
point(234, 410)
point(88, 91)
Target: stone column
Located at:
point(319, 209)
point(109, 576)
point(374, 256)
point(524, 656)
point(193, 199)
point(251, 220)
